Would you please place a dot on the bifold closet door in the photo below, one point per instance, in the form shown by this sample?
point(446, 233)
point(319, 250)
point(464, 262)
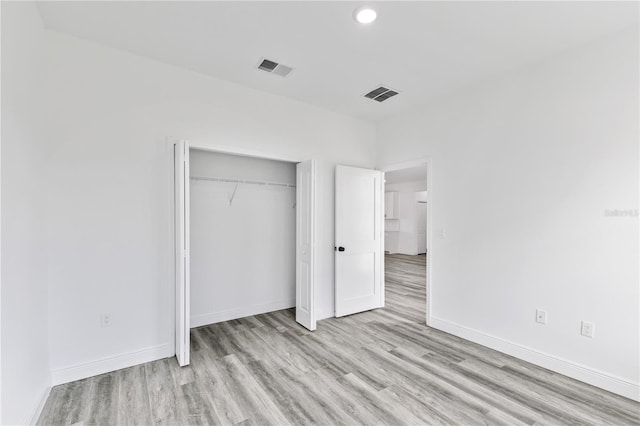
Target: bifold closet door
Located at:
point(182, 260)
point(359, 240)
point(305, 243)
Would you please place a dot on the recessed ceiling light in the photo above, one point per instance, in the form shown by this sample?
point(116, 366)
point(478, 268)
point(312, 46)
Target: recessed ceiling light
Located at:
point(364, 14)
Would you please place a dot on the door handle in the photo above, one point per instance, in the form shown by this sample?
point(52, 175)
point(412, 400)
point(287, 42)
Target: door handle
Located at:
point(340, 248)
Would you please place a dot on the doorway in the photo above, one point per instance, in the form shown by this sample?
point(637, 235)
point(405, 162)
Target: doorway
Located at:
point(407, 240)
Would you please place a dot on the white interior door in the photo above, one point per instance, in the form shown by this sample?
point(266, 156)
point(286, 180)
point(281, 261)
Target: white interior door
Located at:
point(181, 179)
point(305, 241)
point(359, 240)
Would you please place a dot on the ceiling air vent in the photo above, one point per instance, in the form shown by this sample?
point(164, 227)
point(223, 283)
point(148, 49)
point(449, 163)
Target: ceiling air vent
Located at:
point(274, 68)
point(381, 94)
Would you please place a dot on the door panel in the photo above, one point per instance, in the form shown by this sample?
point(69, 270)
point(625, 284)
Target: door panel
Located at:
point(359, 270)
point(359, 240)
point(182, 259)
point(305, 244)
point(360, 203)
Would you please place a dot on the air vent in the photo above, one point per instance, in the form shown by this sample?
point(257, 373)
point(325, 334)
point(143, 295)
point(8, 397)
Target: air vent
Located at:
point(267, 65)
point(274, 68)
point(381, 93)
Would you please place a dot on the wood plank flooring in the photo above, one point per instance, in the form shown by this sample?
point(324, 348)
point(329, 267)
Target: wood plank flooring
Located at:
point(378, 367)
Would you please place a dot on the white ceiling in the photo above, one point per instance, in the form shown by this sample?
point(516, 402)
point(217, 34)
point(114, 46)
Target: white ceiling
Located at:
point(423, 49)
point(412, 174)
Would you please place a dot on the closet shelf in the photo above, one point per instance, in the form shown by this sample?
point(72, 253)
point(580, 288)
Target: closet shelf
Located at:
point(245, 181)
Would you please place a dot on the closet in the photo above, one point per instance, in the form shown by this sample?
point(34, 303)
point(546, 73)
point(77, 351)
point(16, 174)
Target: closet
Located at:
point(242, 236)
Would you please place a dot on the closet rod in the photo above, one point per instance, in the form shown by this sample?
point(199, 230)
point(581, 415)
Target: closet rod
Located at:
point(247, 181)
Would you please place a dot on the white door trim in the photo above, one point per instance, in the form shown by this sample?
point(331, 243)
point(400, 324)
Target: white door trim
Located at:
point(425, 161)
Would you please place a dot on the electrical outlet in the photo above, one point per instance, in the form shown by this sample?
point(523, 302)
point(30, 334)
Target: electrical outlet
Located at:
point(105, 320)
point(541, 316)
point(587, 329)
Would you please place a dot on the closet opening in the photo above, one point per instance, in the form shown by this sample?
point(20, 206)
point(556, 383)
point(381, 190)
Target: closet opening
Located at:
point(242, 236)
point(245, 237)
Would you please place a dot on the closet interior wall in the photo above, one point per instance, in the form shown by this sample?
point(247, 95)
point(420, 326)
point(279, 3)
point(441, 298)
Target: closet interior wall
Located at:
point(242, 236)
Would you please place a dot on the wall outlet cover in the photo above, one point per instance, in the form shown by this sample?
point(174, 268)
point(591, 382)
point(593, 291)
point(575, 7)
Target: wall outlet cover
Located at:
point(105, 320)
point(587, 329)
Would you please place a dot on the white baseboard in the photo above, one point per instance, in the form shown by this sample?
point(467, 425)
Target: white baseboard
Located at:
point(40, 406)
point(407, 252)
point(568, 368)
point(106, 365)
point(245, 311)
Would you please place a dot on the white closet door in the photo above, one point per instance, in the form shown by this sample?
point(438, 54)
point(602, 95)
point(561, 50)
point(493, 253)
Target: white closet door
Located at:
point(305, 243)
point(359, 240)
point(181, 179)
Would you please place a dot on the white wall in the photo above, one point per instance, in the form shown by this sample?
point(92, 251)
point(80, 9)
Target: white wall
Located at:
point(25, 355)
point(404, 233)
point(524, 168)
point(109, 190)
point(243, 253)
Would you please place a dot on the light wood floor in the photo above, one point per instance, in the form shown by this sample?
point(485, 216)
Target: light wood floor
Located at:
point(378, 367)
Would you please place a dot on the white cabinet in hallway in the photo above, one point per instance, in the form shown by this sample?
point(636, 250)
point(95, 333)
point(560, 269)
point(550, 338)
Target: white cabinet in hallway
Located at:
point(390, 205)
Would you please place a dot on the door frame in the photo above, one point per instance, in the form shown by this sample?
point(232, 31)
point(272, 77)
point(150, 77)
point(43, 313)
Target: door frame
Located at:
point(209, 147)
point(428, 163)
